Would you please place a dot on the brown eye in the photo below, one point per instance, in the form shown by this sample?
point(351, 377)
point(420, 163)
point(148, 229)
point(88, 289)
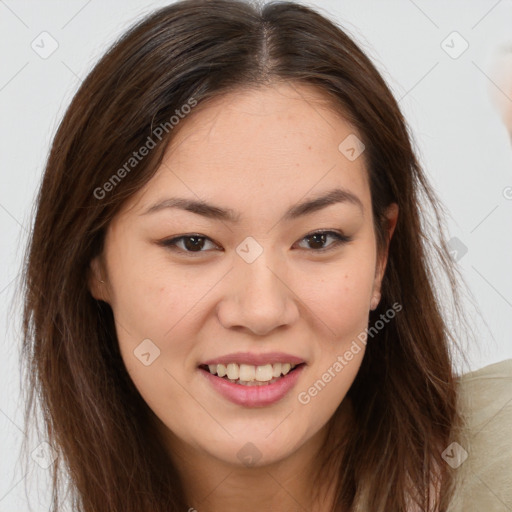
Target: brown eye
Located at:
point(188, 243)
point(193, 243)
point(317, 240)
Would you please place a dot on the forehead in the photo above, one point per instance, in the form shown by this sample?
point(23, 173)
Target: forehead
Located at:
point(273, 143)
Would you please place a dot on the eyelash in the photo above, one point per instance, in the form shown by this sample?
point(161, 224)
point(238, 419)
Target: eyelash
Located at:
point(340, 239)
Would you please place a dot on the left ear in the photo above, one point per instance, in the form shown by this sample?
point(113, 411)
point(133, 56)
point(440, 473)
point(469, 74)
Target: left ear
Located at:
point(96, 277)
point(391, 215)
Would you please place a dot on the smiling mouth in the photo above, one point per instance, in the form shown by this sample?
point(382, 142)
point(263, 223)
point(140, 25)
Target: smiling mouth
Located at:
point(250, 375)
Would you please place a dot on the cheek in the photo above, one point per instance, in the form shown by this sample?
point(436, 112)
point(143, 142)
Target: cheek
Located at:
point(151, 294)
point(339, 294)
point(156, 301)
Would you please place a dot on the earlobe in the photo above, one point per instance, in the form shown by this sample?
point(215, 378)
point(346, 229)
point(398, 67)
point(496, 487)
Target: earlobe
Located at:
point(95, 281)
point(375, 301)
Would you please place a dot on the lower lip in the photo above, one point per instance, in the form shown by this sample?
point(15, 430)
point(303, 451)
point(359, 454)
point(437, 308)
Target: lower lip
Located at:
point(254, 396)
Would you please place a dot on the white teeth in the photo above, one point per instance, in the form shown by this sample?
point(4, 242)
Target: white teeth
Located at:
point(249, 374)
point(221, 370)
point(264, 373)
point(233, 371)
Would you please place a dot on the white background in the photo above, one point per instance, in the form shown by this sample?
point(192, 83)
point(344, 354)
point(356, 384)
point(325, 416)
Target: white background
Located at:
point(462, 143)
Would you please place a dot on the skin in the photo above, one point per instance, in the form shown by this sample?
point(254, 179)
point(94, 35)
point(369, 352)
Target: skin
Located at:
point(259, 152)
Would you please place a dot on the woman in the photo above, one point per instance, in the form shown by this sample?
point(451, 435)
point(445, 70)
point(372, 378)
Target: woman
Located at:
point(230, 302)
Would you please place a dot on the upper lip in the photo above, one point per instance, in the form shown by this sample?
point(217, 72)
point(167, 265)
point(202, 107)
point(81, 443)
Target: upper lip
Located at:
point(255, 359)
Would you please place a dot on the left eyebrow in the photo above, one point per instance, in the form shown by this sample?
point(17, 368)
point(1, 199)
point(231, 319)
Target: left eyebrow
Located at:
point(211, 211)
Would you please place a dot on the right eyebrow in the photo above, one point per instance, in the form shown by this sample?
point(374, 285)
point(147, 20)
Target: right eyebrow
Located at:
point(337, 195)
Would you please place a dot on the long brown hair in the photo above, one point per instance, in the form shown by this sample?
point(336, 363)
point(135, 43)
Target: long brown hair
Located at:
point(404, 396)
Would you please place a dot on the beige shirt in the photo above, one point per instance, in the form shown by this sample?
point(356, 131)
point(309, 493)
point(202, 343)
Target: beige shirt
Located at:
point(483, 457)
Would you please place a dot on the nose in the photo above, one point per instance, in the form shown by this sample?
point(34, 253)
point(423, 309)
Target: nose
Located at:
point(257, 297)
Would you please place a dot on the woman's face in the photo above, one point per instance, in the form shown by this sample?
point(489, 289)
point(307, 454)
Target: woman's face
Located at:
point(248, 285)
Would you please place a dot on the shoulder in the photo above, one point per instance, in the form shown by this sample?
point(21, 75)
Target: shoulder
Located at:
point(483, 459)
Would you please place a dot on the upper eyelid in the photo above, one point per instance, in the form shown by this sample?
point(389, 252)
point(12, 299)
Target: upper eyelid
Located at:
point(331, 232)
